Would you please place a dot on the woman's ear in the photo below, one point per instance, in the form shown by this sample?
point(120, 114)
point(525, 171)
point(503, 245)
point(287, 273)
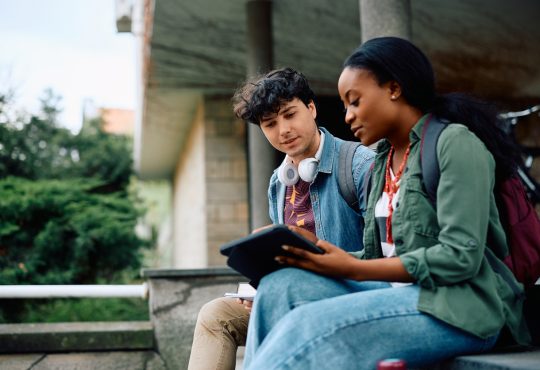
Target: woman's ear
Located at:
point(394, 89)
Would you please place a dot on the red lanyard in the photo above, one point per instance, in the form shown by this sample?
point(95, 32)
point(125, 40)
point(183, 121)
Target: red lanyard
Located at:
point(391, 187)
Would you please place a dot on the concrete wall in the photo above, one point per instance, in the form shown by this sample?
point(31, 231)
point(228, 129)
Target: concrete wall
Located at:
point(189, 200)
point(210, 186)
point(226, 176)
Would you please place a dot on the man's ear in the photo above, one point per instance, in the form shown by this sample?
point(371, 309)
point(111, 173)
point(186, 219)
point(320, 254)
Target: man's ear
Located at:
point(394, 89)
point(312, 108)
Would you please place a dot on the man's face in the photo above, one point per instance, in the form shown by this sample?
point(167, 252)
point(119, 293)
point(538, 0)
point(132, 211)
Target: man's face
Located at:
point(292, 130)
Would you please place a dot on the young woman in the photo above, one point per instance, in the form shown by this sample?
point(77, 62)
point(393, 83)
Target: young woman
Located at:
point(423, 291)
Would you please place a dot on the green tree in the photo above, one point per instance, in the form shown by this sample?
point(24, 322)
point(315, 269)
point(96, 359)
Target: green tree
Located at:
point(34, 148)
point(62, 232)
point(66, 214)
point(40, 149)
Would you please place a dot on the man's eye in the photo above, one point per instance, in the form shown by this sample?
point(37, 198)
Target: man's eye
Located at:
point(290, 115)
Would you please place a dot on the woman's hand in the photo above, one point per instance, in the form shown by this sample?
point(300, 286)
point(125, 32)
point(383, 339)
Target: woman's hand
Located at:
point(334, 262)
point(337, 263)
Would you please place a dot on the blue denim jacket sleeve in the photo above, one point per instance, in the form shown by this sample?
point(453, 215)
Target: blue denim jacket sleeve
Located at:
point(363, 158)
point(272, 198)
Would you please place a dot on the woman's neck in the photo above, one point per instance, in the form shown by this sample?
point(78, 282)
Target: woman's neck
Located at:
point(400, 140)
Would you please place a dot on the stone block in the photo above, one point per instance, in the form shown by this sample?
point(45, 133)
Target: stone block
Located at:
point(175, 299)
point(239, 169)
point(227, 190)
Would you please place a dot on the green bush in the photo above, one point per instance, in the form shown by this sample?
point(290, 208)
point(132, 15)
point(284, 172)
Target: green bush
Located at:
point(69, 310)
point(61, 232)
point(66, 214)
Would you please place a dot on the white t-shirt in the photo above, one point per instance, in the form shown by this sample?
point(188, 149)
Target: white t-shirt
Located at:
point(381, 214)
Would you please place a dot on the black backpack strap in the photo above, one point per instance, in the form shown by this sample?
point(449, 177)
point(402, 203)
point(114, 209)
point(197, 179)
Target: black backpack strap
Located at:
point(428, 155)
point(345, 179)
point(367, 183)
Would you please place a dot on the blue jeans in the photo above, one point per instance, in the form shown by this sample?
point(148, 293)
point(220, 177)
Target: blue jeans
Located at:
point(301, 320)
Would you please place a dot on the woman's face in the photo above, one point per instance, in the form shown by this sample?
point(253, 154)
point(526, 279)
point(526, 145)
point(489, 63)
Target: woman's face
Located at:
point(370, 108)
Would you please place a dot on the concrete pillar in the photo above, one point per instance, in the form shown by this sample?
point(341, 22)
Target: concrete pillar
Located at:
point(261, 155)
point(385, 18)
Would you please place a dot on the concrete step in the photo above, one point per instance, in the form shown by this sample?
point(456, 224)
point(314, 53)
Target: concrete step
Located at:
point(77, 336)
point(523, 360)
point(526, 359)
point(120, 360)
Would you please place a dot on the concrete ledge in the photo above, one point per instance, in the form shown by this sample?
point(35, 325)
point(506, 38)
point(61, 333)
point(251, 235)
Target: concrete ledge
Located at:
point(176, 296)
point(525, 360)
point(132, 360)
point(189, 273)
point(78, 336)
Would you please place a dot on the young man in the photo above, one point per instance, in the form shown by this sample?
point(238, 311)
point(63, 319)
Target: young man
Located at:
point(303, 192)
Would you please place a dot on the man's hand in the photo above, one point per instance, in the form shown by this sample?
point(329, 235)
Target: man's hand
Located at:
point(305, 233)
point(261, 228)
point(247, 304)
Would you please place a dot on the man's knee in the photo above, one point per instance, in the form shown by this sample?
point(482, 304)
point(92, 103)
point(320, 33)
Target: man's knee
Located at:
point(216, 314)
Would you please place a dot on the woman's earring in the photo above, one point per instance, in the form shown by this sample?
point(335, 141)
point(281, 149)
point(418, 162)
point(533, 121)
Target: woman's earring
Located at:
point(393, 97)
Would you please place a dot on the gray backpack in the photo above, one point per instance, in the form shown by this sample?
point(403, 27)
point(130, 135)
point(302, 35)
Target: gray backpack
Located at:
point(347, 188)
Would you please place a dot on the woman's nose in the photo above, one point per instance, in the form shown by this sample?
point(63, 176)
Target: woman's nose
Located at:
point(349, 117)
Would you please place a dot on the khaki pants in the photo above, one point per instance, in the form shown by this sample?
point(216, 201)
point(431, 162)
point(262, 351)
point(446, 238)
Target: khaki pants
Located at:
point(221, 327)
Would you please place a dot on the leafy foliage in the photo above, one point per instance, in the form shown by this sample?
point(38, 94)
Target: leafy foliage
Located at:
point(84, 309)
point(39, 149)
point(66, 214)
point(62, 232)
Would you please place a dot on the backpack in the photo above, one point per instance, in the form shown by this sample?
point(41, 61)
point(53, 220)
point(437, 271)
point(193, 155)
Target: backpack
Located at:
point(518, 216)
point(345, 179)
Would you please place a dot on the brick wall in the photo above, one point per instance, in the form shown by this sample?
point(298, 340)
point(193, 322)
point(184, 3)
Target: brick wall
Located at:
point(226, 176)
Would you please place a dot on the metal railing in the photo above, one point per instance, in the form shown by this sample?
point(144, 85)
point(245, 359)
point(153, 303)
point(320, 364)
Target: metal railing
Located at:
point(74, 291)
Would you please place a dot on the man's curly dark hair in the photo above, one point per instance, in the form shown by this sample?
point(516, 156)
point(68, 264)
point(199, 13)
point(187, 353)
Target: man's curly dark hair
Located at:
point(266, 94)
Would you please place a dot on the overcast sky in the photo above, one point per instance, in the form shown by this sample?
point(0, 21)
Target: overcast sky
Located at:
point(70, 46)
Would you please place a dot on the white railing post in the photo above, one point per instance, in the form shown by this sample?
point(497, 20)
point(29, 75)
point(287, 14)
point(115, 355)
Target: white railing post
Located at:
point(74, 291)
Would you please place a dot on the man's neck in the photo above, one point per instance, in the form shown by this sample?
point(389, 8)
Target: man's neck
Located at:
point(312, 149)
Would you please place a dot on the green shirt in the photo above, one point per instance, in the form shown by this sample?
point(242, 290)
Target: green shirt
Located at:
point(443, 249)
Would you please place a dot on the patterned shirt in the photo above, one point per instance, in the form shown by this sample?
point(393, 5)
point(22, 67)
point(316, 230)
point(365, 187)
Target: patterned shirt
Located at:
point(298, 210)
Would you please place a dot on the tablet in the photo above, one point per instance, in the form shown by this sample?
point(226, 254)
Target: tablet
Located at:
point(253, 255)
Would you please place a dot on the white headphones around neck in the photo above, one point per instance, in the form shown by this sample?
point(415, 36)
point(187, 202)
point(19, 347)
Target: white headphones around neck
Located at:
point(287, 173)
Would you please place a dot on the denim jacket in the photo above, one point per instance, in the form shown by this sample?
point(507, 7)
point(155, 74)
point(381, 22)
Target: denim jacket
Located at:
point(335, 221)
point(444, 249)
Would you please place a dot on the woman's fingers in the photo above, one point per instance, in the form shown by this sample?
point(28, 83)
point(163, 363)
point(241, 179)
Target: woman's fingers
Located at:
point(302, 253)
point(292, 261)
